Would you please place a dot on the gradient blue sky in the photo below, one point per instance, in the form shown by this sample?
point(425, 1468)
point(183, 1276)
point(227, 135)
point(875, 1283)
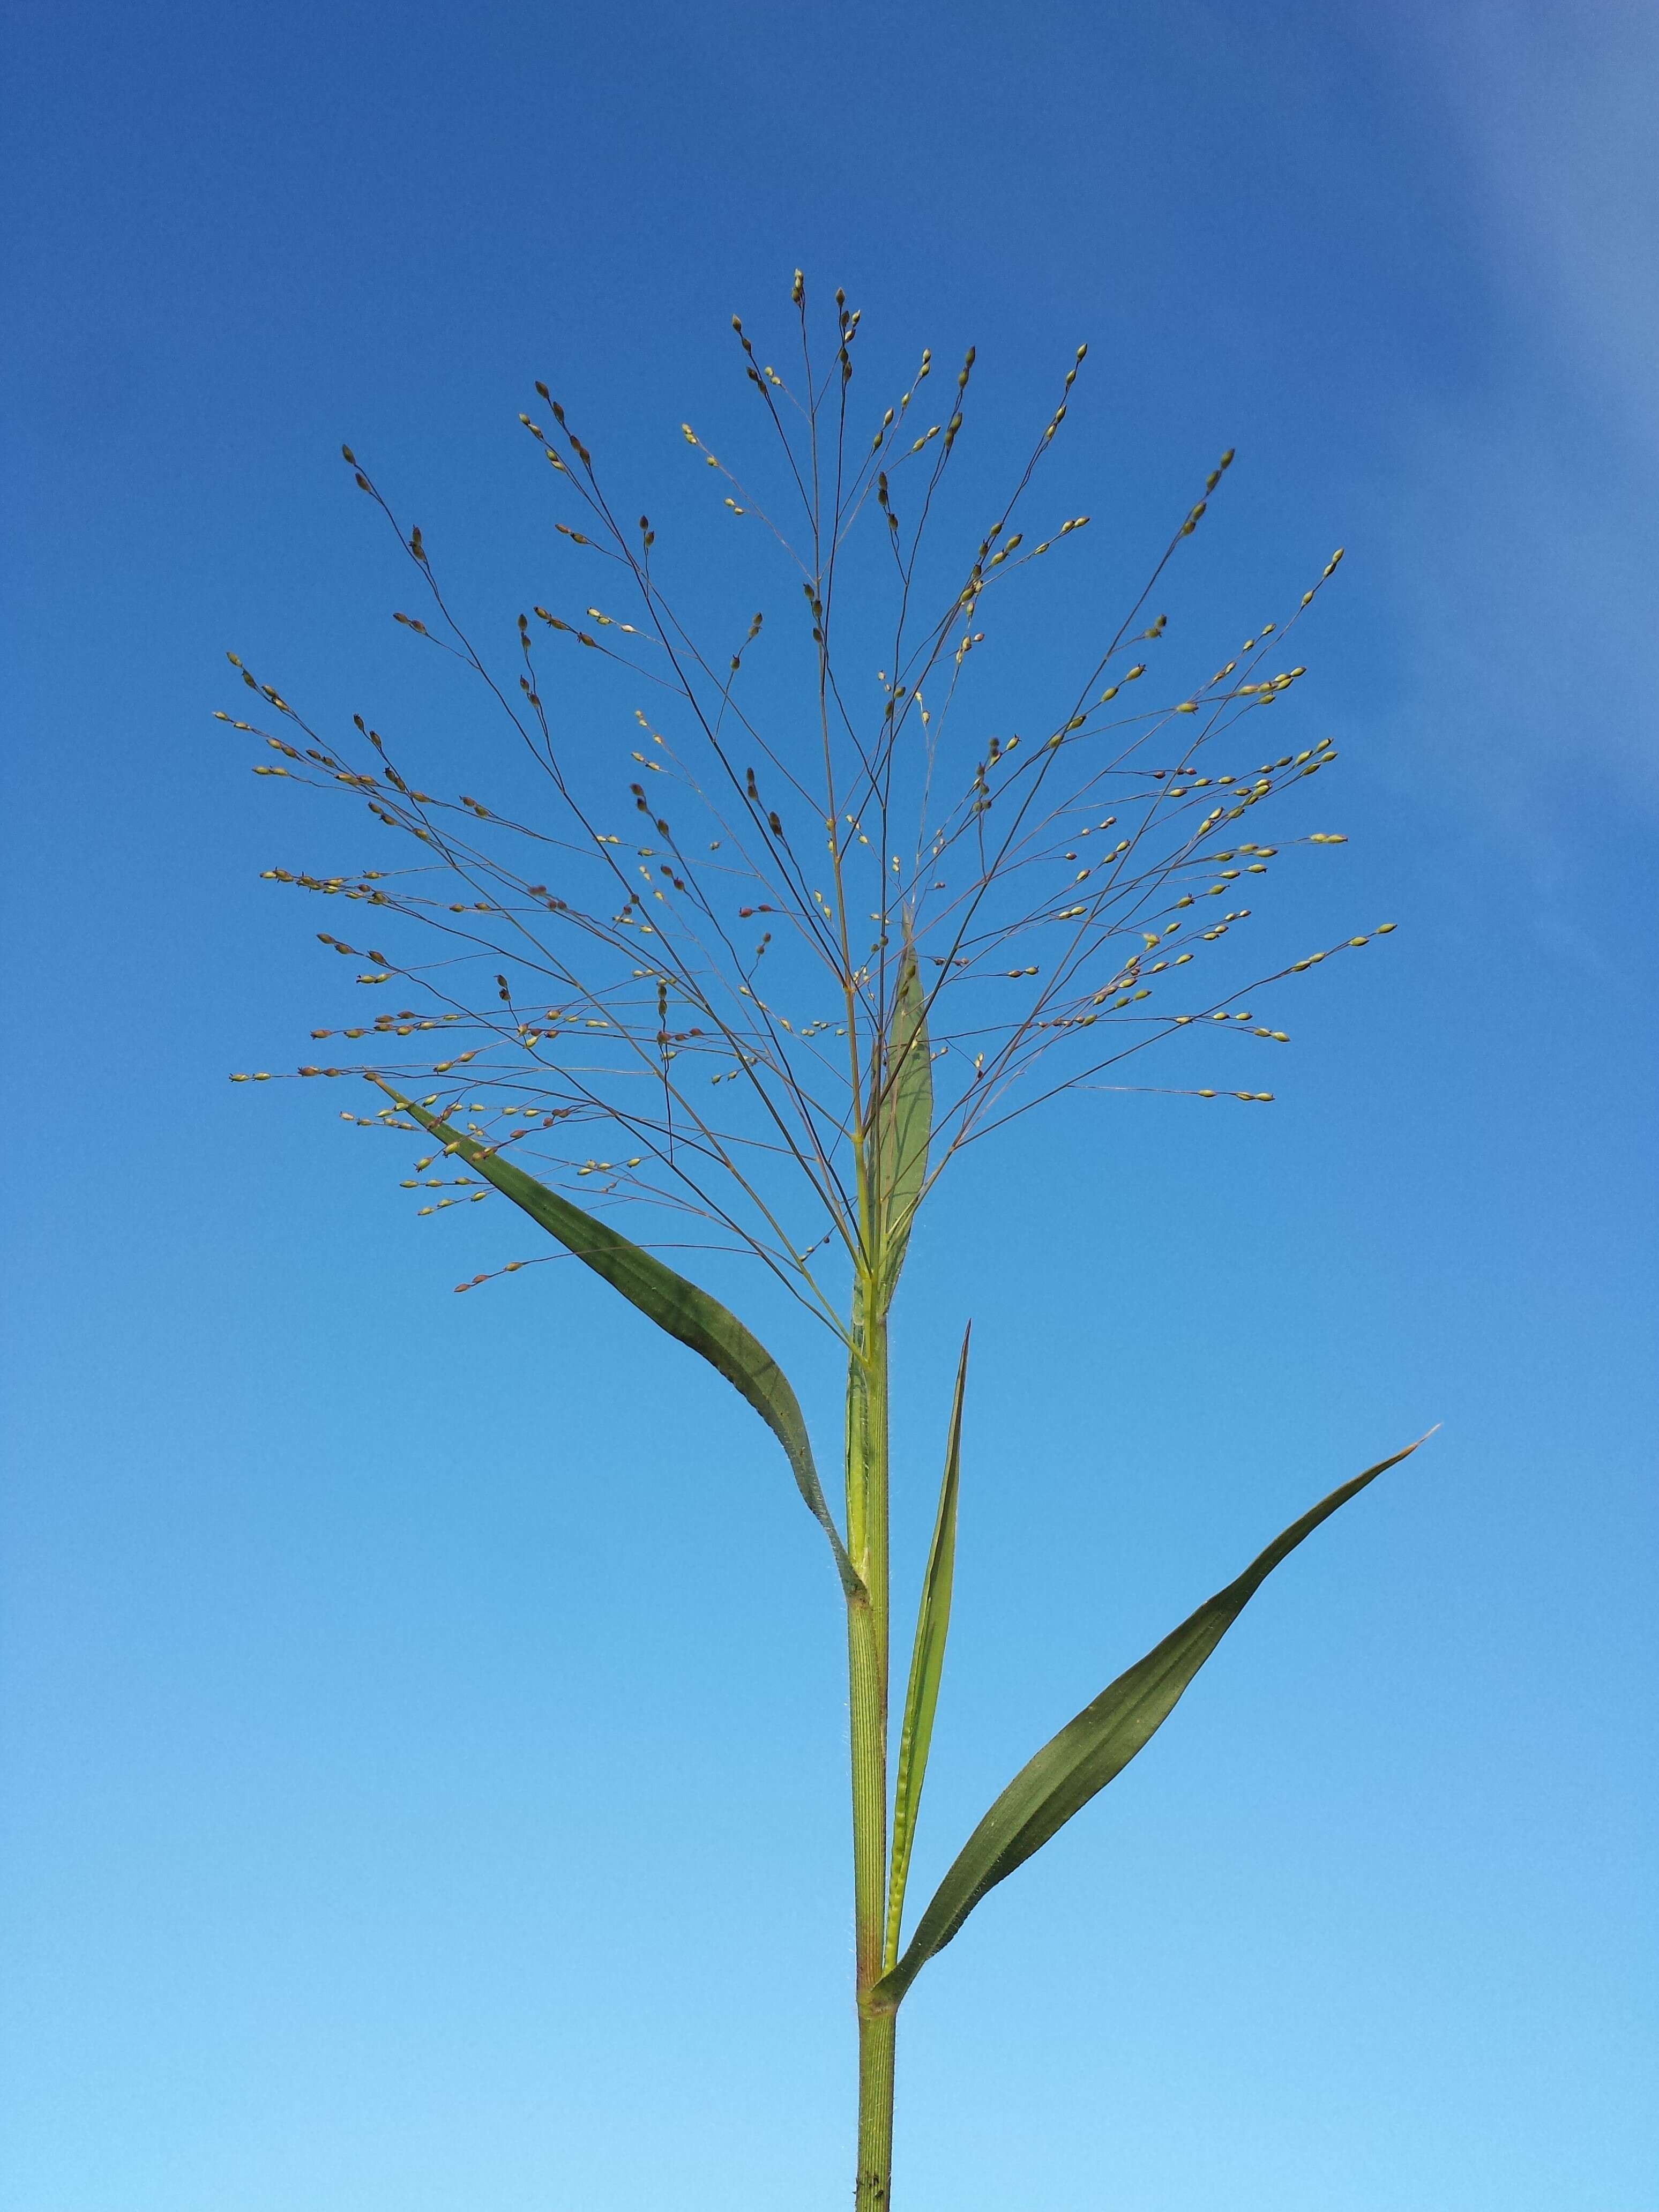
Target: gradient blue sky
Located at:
point(423, 1728)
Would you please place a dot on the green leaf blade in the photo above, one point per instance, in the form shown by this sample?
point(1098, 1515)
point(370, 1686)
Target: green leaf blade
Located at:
point(676, 1305)
point(926, 1666)
point(904, 1123)
point(1096, 1745)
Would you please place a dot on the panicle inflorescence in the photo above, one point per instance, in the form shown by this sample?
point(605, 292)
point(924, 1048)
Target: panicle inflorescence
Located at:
point(1048, 887)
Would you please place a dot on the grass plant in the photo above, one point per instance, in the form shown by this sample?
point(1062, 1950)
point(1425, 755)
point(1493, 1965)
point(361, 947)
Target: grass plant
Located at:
point(847, 936)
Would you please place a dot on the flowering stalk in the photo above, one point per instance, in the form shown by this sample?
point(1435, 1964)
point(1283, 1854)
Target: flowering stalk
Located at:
point(867, 1626)
point(691, 1024)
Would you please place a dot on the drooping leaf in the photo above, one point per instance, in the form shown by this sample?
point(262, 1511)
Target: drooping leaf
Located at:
point(927, 1664)
point(1097, 1745)
point(677, 1306)
point(905, 1121)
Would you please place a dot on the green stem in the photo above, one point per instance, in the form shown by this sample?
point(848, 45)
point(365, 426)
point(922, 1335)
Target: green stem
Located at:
point(867, 1670)
point(875, 2181)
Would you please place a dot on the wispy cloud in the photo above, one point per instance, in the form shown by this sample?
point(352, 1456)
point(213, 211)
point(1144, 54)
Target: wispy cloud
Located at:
point(1528, 546)
point(1558, 105)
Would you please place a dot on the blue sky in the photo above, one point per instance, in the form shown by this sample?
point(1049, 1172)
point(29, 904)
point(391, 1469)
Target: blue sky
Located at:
point(422, 1717)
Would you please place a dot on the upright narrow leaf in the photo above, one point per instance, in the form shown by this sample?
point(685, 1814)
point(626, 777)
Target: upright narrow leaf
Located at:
point(675, 1305)
point(904, 1121)
point(927, 1664)
point(1097, 1745)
